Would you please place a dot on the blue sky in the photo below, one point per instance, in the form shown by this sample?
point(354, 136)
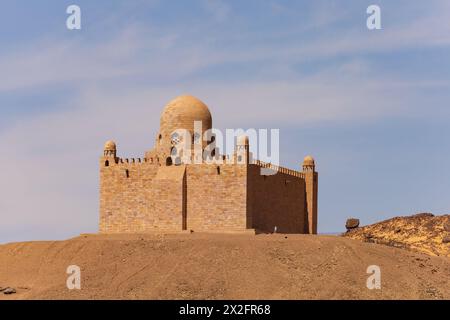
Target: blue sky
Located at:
point(371, 106)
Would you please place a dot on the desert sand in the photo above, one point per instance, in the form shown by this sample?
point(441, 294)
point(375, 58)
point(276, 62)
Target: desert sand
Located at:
point(219, 266)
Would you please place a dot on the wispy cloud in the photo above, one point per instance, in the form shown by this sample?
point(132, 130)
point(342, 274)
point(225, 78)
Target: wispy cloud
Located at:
point(167, 55)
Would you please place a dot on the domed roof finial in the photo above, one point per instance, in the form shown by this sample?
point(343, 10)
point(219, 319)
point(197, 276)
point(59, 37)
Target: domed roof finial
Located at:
point(242, 140)
point(308, 161)
point(110, 146)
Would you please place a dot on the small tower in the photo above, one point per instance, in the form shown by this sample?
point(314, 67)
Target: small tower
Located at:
point(109, 153)
point(311, 182)
point(242, 150)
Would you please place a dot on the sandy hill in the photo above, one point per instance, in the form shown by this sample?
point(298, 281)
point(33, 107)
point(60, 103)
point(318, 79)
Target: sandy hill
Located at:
point(207, 266)
point(422, 232)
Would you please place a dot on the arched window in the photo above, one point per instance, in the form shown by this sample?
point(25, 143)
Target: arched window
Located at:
point(107, 163)
point(169, 161)
point(218, 170)
point(160, 139)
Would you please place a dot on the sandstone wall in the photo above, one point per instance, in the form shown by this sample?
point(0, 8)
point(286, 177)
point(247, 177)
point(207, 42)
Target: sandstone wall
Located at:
point(140, 197)
point(124, 196)
point(216, 197)
point(276, 200)
point(166, 198)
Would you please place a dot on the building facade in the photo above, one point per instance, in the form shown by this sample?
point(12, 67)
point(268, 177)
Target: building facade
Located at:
point(167, 191)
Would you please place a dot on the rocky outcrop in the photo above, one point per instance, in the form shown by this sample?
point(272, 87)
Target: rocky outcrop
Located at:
point(423, 232)
point(447, 226)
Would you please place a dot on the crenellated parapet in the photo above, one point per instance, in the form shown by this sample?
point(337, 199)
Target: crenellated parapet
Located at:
point(279, 169)
point(110, 158)
point(132, 160)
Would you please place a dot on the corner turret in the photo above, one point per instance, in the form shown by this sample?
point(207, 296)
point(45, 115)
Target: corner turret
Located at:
point(109, 153)
point(311, 182)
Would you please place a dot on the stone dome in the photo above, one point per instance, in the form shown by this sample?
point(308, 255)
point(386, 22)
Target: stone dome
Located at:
point(180, 113)
point(308, 161)
point(110, 146)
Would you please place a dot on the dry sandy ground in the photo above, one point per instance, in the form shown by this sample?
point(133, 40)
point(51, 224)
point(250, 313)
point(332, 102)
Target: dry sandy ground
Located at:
point(208, 266)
